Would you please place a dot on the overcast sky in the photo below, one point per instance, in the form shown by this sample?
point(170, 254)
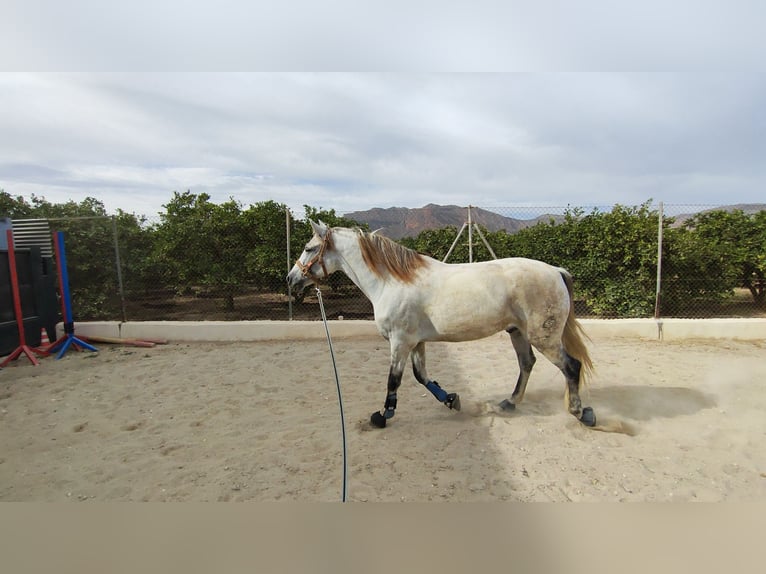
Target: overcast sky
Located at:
point(356, 141)
point(352, 141)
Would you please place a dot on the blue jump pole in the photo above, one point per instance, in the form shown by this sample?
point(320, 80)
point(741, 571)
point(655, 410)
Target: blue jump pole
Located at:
point(69, 337)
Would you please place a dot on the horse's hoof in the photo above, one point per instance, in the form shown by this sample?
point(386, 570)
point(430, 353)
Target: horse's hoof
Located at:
point(378, 420)
point(588, 417)
point(507, 405)
point(453, 401)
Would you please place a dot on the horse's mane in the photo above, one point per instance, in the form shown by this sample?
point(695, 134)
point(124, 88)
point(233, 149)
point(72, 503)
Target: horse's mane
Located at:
point(383, 255)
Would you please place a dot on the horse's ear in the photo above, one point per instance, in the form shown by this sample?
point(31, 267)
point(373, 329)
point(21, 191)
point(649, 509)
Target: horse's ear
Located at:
point(319, 228)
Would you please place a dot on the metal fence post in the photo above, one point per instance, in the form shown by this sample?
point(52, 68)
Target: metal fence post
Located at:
point(289, 288)
point(470, 237)
point(119, 269)
point(659, 269)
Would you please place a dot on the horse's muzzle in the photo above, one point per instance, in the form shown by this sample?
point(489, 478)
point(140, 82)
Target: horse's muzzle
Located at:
point(296, 280)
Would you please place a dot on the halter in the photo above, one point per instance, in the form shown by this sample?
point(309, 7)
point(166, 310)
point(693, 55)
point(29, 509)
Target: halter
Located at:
point(318, 258)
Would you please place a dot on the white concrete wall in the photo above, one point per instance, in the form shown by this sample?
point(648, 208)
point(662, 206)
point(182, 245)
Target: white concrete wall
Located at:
point(677, 329)
point(671, 329)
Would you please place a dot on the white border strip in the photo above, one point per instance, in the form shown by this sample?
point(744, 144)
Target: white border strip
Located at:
point(665, 329)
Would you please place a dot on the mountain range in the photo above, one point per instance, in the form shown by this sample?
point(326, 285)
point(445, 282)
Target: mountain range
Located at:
point(398, 222)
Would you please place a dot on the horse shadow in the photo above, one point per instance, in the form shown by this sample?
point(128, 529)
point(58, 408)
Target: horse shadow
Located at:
point(636, 402)
point(644, 403)
point(428, 453)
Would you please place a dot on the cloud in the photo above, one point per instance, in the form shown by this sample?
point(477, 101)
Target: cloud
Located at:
point(481, 35)
point(354, 141)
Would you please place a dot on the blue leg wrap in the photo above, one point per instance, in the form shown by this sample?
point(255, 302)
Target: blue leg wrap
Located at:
point(390, 406)
point(437, 391)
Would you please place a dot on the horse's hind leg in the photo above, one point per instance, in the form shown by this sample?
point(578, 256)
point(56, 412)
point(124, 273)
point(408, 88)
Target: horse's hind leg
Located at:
point(451, 400)
point(527, 360)
point(572, 368)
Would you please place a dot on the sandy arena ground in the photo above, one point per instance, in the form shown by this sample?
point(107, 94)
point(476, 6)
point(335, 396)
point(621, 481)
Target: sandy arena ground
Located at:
point(260, 422)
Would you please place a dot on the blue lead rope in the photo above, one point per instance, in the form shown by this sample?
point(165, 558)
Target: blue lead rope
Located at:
point(340, 397)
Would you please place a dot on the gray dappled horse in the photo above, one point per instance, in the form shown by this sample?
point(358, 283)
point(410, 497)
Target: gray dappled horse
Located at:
point(417, 299)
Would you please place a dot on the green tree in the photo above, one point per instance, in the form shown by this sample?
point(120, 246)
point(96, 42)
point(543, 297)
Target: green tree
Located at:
point(543, 241)
point(614, 256)
point(14, 207)
point(754, 277)
point(136, 243)
point(90, 245)
point(730, 246)
point(201, 245)
point(266, 260)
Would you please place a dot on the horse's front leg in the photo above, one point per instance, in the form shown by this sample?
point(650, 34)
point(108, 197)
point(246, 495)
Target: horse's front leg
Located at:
point(451, 400)
point(399, 354)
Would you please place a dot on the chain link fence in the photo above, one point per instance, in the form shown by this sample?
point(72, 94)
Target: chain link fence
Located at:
point(627, 262)
point(676, 260)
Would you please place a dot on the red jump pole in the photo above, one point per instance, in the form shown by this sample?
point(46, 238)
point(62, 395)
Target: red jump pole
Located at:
point(23, 348)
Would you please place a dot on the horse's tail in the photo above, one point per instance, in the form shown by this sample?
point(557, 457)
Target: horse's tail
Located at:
point(574, 336)
point(573, 340)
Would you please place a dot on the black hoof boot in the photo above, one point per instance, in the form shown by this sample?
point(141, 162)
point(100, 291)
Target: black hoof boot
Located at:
point(507, 405)
point(588, 417)
point(453, 401)
point(378, 420)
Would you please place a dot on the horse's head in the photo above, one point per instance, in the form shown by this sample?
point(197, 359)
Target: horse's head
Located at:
point(310, 266)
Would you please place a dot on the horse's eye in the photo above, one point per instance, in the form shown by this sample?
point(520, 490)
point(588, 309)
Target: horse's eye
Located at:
point(311, 249)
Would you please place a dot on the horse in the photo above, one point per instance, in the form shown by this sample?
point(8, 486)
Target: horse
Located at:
point(418, 299)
